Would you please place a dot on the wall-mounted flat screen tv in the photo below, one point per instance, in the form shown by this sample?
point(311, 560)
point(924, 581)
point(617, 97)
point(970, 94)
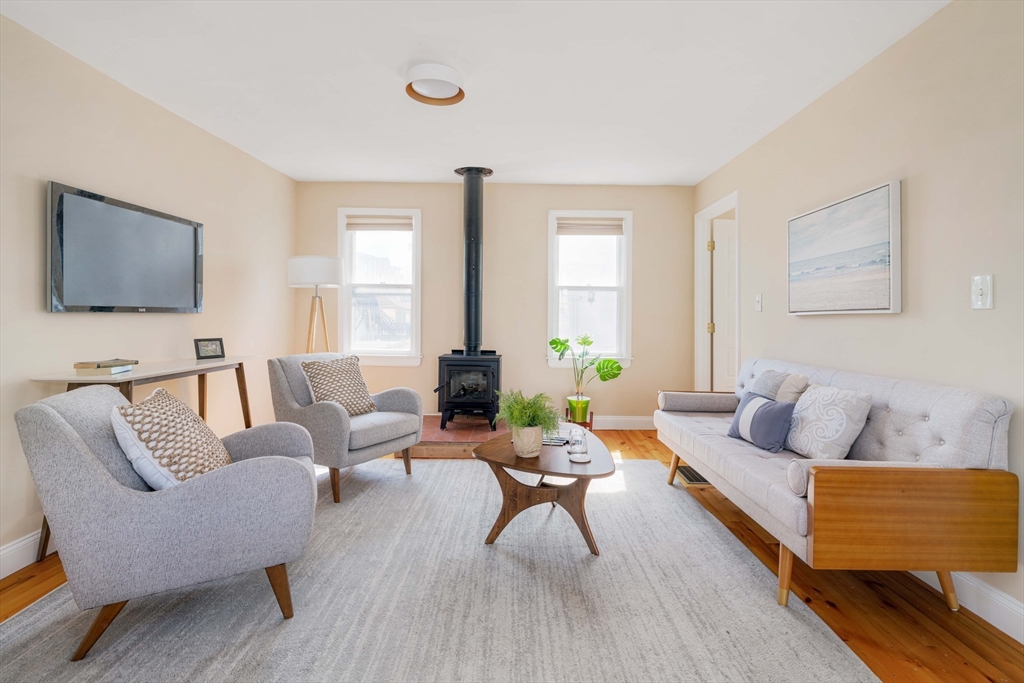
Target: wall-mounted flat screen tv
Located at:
point(110, 256)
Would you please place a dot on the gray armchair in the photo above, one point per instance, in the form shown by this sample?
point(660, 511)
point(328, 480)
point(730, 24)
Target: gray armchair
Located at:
point(338, 439)
point(119, 540)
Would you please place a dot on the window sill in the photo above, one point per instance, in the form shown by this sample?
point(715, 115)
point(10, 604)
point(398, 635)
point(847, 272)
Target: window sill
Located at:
point(566, 362)
point(392, 361)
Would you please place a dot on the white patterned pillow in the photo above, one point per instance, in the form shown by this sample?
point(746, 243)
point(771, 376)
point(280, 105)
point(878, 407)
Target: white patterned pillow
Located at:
point(826, 422)
point(339, 380)
point(166, 442)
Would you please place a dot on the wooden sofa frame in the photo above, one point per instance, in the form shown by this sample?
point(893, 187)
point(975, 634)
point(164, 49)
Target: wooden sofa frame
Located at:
point(914, 519)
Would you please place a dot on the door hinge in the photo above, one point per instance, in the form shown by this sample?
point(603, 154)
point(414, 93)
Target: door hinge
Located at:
point(711, 328)
point(711, 245)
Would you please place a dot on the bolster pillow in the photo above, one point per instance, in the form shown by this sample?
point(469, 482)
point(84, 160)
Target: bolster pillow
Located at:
point(696, 402)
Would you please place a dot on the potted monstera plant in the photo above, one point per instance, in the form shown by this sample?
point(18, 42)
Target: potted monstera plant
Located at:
point(603, 369)
point(528, 419)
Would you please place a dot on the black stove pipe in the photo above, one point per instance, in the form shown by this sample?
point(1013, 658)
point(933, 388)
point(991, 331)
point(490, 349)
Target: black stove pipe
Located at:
point(473, 255)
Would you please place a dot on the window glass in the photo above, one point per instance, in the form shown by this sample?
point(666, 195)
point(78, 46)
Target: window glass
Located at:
point(593, 312)
point(382, 257)
point(588, 260)
point(381, 319)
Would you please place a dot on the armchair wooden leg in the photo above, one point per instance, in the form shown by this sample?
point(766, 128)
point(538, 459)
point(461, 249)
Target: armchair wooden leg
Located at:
point(44, 540)
point(99, 625)
point(672, 470)
point(336, 484)
point(278, 575)
point(949, 590)
point(407, 457)
point(785, 573)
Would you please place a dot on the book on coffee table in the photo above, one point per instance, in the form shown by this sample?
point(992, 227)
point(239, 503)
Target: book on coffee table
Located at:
point(109, 363)
point(112, 366)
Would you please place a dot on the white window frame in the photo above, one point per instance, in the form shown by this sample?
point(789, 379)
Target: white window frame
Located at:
point(625, 322)
point(345, 251)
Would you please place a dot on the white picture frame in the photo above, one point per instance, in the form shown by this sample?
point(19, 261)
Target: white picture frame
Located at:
point(837, 263)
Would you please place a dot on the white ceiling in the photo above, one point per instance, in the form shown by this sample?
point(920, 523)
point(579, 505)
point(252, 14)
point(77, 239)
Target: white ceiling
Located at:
point(556, 92)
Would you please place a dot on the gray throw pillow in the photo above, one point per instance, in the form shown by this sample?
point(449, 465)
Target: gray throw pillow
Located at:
point(762, 421)
point(768, 382)
point(827, 421)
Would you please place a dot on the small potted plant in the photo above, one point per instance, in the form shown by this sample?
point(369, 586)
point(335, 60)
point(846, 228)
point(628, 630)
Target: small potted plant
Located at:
point(604, 369)
point(528, 418)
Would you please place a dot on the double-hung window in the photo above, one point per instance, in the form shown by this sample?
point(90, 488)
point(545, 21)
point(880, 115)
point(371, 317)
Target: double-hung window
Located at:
point(589, 280)
point(380, 301)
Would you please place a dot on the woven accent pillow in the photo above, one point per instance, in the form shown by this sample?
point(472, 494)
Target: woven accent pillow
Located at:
point(166, 442)
point(339, 380)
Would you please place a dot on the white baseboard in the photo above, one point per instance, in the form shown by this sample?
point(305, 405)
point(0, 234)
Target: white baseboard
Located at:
point(19, 554)
point(623, 422)
point(991, 604)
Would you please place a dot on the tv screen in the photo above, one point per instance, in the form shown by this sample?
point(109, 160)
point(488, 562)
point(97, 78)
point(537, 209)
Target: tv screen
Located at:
point(108, 255)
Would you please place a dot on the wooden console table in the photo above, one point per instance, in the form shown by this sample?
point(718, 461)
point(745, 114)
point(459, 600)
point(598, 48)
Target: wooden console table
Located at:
point(150, 373)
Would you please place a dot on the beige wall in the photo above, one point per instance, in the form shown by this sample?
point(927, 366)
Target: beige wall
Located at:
point(62, 120)
point(941, 111)
point(515, 281)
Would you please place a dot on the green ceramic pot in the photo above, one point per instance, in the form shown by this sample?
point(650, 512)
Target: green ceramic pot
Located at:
point(578, 408)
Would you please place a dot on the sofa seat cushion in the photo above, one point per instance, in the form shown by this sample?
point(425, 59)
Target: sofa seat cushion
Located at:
point(758, 474)
point(370, 429)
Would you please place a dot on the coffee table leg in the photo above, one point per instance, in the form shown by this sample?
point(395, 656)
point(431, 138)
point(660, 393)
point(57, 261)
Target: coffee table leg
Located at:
point(571, 498)
point(516, 497)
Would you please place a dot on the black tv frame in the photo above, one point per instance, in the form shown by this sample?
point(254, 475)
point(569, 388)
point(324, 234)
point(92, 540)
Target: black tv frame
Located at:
point(55, 246)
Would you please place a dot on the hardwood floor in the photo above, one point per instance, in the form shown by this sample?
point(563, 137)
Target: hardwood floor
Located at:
point(23, 587)
point(896, 623)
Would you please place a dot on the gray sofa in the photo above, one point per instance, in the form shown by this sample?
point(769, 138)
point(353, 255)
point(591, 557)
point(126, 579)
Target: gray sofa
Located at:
point(119, 540)
point(924, 486)
point(340, 440)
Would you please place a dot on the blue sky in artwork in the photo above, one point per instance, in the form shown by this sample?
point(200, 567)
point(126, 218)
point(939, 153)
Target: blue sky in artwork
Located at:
point(859, 222)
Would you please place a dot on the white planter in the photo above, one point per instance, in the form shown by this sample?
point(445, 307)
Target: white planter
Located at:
point(527, 441)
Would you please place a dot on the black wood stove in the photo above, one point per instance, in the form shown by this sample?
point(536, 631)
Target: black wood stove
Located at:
point(468, 380)
point(468, 385)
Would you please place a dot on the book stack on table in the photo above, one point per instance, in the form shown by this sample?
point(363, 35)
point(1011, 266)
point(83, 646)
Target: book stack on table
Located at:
point(112, 366)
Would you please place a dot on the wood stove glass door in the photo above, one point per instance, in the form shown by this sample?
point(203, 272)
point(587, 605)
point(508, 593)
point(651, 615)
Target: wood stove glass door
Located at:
point(469, 384)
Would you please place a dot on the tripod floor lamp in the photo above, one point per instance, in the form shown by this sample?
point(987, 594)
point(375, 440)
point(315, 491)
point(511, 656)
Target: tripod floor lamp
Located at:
point(315, 272)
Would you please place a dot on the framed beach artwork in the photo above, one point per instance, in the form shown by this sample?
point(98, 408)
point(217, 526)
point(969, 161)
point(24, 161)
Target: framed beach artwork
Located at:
point(845, 257)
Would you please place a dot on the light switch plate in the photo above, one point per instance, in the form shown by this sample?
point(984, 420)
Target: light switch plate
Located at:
point(757, 303)
point(981, 291)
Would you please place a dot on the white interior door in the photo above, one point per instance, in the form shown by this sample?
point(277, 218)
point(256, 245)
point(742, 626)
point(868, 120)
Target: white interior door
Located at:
point(723, 305)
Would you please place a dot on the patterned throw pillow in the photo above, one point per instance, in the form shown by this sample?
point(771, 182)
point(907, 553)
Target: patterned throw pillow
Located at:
point(827, 421)
point(166, 442)
point(762, 421)
point(339, 380)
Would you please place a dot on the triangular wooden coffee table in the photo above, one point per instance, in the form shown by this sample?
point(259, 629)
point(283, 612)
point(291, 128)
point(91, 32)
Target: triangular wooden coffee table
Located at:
point(552, 461)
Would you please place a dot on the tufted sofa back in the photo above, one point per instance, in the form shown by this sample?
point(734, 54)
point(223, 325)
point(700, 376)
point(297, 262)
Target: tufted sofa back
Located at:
point(912, 421)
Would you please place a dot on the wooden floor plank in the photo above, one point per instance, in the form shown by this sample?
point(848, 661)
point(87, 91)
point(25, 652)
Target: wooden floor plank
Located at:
point(898, 625)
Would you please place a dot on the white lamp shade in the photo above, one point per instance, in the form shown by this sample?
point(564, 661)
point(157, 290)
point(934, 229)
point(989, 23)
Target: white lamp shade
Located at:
point(314, 271)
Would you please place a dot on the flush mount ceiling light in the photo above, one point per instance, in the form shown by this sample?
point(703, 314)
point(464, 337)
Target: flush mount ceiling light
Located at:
point(435, 84)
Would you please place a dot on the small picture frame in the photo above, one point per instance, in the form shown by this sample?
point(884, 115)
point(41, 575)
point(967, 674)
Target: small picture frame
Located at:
point(208, 349)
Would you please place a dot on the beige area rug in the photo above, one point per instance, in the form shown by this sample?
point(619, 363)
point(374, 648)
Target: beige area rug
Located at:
point(397, 585)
